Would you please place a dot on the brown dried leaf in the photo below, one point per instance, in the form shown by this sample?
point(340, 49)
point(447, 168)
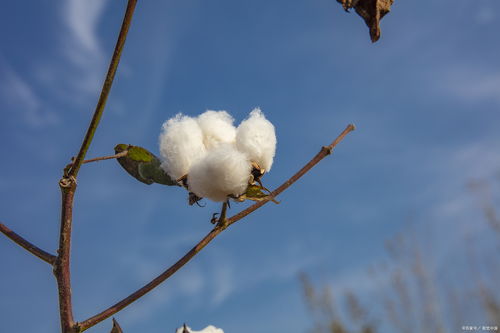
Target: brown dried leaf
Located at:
point(372, 11)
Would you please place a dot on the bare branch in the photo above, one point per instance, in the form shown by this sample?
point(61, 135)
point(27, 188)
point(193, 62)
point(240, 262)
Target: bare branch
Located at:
point(35, 250)
point(151, 285)
point(208, 238)
point(325, 151)
point(102, 158)
point(101, 103)
point(62, 263)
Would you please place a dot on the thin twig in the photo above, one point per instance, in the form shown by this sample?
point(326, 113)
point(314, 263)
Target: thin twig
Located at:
point(102, 158)
point(208, 238)
point(35, 250)
point(97, 159)
point(68, 186)
point(101, 103)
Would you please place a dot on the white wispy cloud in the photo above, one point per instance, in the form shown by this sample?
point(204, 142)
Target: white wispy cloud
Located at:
point(20, 97)
point(223, 283)
point(82, 18)
point(70, 76)
point(81, 43)
point(485, 15)
point(477, 160)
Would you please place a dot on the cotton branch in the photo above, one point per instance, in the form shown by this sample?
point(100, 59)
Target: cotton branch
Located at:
point(62, 263)
point(68, 186)
point(35, 250)
point(106, 88)
point(325, 151)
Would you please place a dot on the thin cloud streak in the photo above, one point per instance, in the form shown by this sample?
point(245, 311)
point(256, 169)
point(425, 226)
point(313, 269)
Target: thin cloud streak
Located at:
point(21, 97)
point(81, 43)
point(82, 18)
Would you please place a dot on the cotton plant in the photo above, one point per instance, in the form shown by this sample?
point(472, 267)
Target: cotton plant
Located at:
point(207, 155)
point(213, 159)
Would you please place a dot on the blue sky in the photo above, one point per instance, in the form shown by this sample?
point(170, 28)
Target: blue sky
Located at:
point(425, 100)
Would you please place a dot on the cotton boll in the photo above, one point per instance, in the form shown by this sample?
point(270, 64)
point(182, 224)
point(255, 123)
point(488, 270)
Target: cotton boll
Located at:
point(223, 171)
point(217, 127)
point(256, 138)
point(181, 144)
point(208, 329)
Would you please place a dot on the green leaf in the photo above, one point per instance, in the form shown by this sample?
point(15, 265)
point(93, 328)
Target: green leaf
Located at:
point(143, 165)
point(153, 172)
point(140, 154)
point(116, 327)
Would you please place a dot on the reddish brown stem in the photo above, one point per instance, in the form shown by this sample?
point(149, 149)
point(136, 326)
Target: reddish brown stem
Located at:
point(62, 264)
point(35, 250)
point(68, 186)
point(208, 238)
point(106, 88)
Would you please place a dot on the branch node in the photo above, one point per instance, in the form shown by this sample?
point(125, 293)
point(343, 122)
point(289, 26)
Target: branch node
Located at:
point(327, 150)
point(67, 182)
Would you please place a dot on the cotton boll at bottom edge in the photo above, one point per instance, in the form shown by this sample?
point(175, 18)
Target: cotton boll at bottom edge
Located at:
point(223, 171)
point(217, 128)
point(257, 139)
point(208, 329)
point(181, 144)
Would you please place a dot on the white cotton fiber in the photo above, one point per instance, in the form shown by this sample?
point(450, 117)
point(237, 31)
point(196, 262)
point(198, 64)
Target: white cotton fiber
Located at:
point(217, 128)
point(208, 329)
point(222, 171)
point(256, 138)
point(181, 144)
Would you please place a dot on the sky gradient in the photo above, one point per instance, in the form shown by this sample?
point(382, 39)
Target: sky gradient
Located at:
point(425, 100)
